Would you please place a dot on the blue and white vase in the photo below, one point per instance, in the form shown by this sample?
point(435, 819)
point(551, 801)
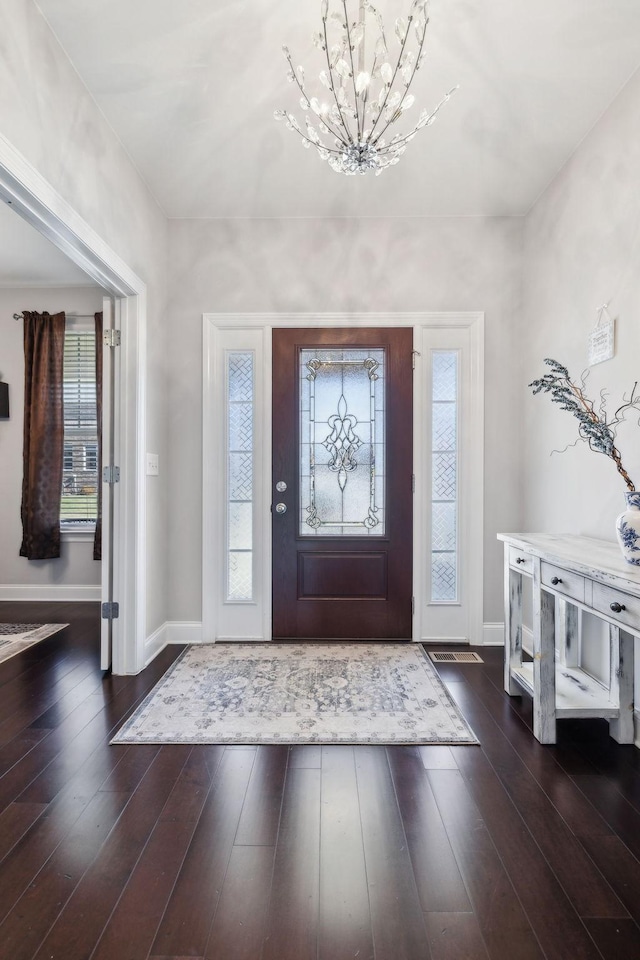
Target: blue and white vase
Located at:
point(628, 528)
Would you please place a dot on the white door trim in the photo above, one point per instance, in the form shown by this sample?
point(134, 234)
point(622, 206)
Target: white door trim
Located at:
point(33, 197)
point(213, 486)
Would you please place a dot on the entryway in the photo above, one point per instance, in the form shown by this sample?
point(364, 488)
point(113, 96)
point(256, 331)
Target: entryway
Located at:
point(365, 540)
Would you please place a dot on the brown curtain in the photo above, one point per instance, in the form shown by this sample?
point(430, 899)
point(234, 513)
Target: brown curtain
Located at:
point(97, 540)
point(43, 434)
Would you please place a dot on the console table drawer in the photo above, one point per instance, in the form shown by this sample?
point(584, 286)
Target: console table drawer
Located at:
point(562, 581)
point(520, 561)
point(608, 600)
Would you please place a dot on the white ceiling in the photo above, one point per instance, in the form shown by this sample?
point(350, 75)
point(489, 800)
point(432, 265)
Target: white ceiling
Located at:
point(27, 259)
point(190, 89)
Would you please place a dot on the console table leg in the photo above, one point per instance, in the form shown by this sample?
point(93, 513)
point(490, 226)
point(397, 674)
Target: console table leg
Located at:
point(513, 626)
point(621, 683)
point(544, 669)
point(568, 633)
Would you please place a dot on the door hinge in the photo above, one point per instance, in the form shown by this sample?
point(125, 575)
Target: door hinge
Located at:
point(413, 483)
point(111, 474)
point(111, 610)
point(414, 354)
point(111, 338)
point(413, 606)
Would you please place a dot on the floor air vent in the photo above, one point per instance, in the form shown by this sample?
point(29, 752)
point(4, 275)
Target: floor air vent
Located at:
point(440, 656)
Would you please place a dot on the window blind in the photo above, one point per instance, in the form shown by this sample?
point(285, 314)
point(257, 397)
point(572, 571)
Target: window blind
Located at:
point(79, 500)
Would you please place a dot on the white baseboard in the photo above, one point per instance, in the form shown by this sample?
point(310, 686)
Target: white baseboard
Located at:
point(493, 635)
point(171, 631)
point(33, 593)
point(155, 644)
point(184, 631)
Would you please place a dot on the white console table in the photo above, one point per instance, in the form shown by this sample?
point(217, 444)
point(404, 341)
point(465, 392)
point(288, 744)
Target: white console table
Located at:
point(570, 573)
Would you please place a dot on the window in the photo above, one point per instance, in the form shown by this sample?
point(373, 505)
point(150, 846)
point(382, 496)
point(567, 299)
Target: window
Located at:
point(79, 500)
point(444, 485)
point(240, 402)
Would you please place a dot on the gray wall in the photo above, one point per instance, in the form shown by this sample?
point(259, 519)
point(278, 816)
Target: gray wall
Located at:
point(582, 249)
point(76, 565)
point(341, 265)
point(47, 114)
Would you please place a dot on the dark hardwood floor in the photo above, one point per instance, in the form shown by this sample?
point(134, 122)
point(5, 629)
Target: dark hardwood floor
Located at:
point(508, 851)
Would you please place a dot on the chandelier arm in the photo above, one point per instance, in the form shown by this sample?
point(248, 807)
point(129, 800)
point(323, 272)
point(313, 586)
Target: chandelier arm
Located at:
point(393, 80)
point(333, 85)
point(353, 70)
point(434, 113)
point(406, 89)
point(335, 133)
point(318, 146)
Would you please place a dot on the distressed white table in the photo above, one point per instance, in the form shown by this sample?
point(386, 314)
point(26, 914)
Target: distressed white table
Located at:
point(570, 573)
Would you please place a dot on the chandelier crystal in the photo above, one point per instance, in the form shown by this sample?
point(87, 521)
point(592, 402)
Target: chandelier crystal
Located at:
point(361, 101)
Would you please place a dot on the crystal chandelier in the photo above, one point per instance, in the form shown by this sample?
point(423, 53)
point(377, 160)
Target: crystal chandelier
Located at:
point(361, 102)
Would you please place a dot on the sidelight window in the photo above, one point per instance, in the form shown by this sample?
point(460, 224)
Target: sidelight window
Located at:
point(239, 473)
point(444, 474)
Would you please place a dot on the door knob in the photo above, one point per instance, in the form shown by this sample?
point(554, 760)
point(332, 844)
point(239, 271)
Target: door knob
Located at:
point(281, 508)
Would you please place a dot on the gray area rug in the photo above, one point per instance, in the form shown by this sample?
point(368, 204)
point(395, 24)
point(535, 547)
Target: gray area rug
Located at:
point(16, 637)
point(256, 693)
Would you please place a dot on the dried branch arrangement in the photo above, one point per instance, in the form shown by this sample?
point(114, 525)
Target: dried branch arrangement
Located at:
point(594, 426)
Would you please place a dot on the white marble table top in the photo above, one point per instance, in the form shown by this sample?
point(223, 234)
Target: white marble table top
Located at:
point(599, 560)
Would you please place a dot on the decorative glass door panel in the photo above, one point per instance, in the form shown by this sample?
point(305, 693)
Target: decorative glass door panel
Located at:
point(342, 515)
point(342, 462)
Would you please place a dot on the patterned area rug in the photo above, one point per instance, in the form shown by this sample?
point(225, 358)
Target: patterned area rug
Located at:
point(299, 693)
point(16, 637)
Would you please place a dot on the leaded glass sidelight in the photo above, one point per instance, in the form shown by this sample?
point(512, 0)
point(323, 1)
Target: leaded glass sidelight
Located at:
point(239, 579)
point(342, 453)
point(444, 476)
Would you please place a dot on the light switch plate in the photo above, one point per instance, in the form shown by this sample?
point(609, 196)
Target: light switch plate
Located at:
point(152, 465)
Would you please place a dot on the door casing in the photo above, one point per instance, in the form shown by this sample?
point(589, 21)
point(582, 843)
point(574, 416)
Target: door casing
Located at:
point(36, 201)
point(253, 331)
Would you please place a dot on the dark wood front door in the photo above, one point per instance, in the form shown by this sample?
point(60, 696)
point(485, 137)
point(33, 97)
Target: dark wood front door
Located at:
point(342, 511)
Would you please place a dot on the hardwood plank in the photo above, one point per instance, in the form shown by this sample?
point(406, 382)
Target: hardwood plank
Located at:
point(292, 919)
point(192, 787)
point(15, 820)
point(345, 917)
point(239, 926)
point(440, 885)
point(614, 808)
point(85, 914)
point(455, 936)
point(557, 925)
point(83, 732)
point(185, 926)
point(305, 755)
point(551, 766)
point(131, 768)
point(53, 885)
point(437, 758)
point(133, 925)
point(616, 939)
point(27, 703)
point(503, 923)
point(614, 859)
point(397, 921)
point(261, 810)
point(584, 885)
